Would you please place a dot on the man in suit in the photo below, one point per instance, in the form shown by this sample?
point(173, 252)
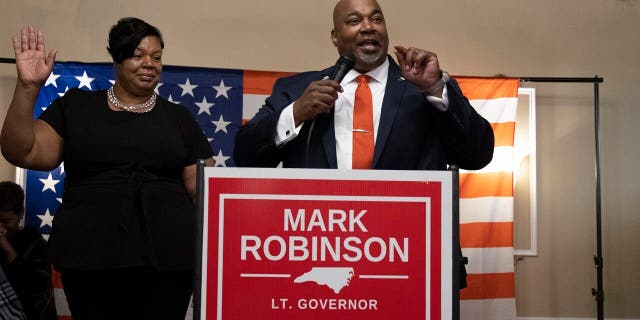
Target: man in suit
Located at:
point(421, 120)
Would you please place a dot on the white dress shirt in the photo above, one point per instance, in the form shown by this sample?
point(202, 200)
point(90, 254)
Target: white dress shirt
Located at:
point(343, 112)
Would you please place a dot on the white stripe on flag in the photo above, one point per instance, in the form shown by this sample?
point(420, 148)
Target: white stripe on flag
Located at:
point(494, 309)
point(502, 161)
point(486, 209)
point(489, 260)
point(496, 110)
point(251, 103)
point(62, 308)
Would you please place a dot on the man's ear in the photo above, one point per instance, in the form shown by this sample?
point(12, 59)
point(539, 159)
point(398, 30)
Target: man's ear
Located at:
point(334, 37)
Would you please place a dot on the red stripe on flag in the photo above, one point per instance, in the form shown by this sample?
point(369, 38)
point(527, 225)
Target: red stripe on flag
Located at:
point(260, 82)
point(490, 88)
point(55, 279)
point(490, 184)
point(489, 286)
point(486, 234)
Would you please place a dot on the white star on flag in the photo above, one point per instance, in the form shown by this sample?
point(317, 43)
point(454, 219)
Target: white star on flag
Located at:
point(209, 138)
point(170, 99)
point(85, 81)
point(60, 94)
point(204, 106)
point(62, 168)
point(222, 90)
point(187, 87)
point(221, 124)
point(220, 159)
point(157, 86)
point(47, 219)
point(49, 183)
point(52, 80)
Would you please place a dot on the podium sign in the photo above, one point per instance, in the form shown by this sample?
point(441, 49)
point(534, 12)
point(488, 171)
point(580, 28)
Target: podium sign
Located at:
point(300, 244)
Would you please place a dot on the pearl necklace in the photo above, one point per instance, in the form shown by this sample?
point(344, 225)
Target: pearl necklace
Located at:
point(138, 108)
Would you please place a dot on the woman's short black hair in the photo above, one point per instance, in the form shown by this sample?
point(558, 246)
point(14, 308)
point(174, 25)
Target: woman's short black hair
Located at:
point(11, 197)
point(125, 36)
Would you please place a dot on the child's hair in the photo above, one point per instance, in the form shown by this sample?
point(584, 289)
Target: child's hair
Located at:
point(11, 197)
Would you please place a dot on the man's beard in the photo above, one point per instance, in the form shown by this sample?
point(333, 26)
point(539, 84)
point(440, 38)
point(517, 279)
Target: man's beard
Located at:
point(371, 58)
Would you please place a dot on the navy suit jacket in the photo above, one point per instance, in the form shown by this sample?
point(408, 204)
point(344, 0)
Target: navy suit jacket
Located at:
point(412, 133)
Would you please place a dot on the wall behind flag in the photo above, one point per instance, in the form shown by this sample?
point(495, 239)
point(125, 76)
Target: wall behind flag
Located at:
point(545, 38)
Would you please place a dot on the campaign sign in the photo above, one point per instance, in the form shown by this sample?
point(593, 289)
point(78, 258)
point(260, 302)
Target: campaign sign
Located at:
point(326, 244)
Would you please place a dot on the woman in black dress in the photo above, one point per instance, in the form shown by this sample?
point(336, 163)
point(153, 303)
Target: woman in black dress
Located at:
point(123, 237)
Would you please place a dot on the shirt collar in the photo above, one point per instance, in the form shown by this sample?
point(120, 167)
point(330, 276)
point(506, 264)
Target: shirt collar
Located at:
point(379, 74)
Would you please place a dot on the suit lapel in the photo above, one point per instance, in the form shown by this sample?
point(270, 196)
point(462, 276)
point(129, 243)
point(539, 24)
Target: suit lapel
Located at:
point(329, 135)
point(394, 92)
point(329, 141)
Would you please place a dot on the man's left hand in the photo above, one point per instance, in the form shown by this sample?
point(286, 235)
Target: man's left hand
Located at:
point(419, 67)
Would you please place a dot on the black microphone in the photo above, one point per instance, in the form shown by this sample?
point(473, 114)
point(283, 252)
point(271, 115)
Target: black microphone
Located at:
point(345, 63)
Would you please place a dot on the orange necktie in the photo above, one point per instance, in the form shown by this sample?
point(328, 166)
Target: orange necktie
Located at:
point(362, 125)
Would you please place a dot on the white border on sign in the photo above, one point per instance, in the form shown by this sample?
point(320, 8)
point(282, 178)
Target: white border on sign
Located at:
point(223, 197)
point(443, 177)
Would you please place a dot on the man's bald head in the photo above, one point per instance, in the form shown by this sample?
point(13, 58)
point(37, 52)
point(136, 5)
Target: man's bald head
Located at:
point(339, 8)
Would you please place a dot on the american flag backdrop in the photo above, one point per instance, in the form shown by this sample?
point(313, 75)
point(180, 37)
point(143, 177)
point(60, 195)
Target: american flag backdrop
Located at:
point(221, 99)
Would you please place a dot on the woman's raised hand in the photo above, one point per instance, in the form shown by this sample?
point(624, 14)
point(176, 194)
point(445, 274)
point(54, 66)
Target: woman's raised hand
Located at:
point(33, 65)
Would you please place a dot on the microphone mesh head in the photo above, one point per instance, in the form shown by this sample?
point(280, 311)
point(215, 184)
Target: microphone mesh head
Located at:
point(345, 63)
point(347, 59)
